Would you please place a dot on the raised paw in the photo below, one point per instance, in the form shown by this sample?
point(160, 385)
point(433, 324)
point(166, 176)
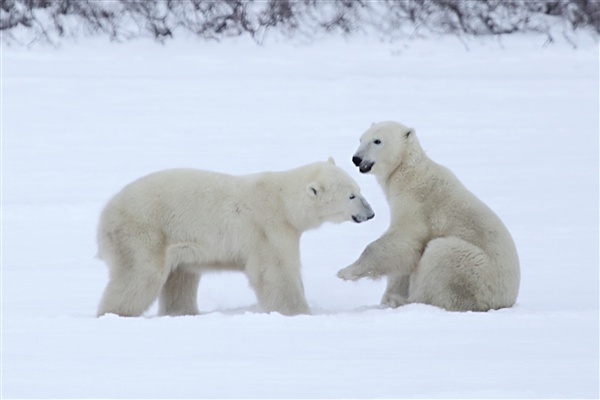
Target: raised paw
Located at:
point(348, 274)
point(355, 272)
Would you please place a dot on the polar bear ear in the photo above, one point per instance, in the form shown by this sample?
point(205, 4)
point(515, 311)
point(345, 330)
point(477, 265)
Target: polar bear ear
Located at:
point(410, 133)
point(331, 161)
point(314, 189)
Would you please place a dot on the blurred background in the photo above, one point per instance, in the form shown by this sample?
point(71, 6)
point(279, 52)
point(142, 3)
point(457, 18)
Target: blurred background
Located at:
point(49, 21)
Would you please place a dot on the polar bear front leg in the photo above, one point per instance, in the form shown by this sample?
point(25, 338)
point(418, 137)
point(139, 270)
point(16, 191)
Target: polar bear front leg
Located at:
point(277, 284)
point(388, 255)
point(396, 292)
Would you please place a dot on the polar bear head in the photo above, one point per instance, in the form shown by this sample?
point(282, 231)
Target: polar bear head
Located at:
point(383, 147)
point(335, 197)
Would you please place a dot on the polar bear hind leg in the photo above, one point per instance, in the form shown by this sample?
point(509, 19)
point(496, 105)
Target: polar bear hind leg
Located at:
point(451, 274)
point(135, 283)
point(179, 296)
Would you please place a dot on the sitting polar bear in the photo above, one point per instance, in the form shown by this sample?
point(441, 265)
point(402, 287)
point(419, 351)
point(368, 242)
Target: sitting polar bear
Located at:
point(161, 232)
point(444, 247)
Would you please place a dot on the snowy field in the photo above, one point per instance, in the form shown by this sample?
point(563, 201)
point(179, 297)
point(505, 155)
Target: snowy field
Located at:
point(515, 120)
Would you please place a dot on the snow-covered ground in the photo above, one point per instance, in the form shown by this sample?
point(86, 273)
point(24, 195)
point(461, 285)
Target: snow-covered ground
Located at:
point(515, 120)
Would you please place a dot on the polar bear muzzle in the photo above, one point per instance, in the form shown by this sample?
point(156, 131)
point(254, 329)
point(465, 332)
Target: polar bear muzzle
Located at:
point(363, 166)
point(365, 214)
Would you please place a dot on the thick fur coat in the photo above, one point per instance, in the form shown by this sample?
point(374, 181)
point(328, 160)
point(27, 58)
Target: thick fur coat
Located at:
point(160, 233)
point(444, 246)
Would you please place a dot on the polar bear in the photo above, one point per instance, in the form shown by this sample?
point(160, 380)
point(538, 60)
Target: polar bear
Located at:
point(444, 247)
point(161, 232)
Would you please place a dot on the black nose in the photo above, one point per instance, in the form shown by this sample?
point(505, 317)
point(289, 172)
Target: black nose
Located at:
point(356, 160)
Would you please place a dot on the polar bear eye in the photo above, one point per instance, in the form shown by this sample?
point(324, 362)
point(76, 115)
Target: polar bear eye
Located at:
point(352, 197)
point(377, 141)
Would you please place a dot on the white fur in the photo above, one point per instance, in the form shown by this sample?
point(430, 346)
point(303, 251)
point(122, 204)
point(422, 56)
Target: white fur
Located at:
point(161, 232)
point(444, 246)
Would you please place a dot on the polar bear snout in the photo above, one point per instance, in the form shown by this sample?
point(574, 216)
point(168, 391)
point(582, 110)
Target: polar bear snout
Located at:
point(363, 165)
point(361, 218)
point(366, 213)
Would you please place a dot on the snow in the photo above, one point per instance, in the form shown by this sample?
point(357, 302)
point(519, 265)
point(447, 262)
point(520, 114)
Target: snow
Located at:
point(515, 120)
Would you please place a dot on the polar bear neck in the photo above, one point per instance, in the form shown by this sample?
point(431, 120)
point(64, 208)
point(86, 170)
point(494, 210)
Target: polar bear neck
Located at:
point(412, 162)
point(291, 197)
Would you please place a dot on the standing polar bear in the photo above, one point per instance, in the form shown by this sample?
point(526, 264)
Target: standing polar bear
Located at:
point(444, 247)
point(161, 232)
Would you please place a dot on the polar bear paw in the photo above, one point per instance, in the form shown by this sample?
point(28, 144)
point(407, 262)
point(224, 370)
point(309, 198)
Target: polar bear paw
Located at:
point(348, 274)
point(355, 272)
point(393, 300)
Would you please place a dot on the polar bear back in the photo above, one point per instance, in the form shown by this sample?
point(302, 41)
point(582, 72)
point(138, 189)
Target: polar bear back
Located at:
point(200, 207)
point(227, 214)
point(452, 210)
